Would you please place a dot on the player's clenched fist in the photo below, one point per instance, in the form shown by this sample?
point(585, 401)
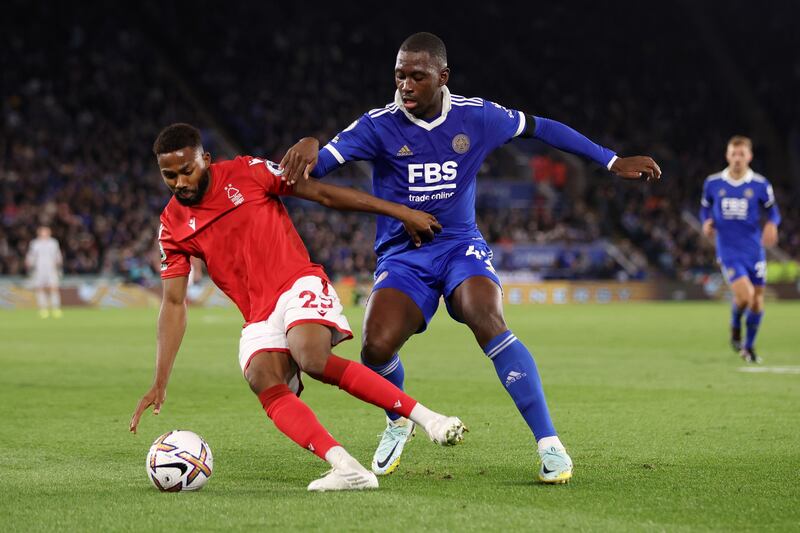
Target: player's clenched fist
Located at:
point(636, 167)
point(155, 397)
point(420, 226)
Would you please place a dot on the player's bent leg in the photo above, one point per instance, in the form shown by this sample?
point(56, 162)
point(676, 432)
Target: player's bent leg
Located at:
point(391, 318)
point(755, 314)
point(268, 374)
point(306, 343)
point(55, 301)
point(742, 294)
point(41, 302)
point(477, 301)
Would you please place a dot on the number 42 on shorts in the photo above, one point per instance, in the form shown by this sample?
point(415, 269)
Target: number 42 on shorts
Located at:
point(481, 255)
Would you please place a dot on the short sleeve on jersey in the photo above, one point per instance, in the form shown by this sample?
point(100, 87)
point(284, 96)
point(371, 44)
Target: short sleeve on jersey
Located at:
point(501, 124)
point(768, 197)
point(357, 142)
point(707, 199)
point(268, 174)
point(174, 262)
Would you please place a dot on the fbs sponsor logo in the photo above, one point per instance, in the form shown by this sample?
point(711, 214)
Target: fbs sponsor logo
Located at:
point(435, 178)
point(513, 377)
point(734, 208)
point(432, 176)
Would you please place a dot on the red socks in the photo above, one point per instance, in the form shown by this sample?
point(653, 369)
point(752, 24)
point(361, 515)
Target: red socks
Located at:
point(366, 385)
point(296, 420)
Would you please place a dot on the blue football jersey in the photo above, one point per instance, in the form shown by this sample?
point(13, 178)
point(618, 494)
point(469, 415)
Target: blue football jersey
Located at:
point(736, 206)
point(426, 165)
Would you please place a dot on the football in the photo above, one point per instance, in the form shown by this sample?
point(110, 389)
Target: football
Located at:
point(179, 460)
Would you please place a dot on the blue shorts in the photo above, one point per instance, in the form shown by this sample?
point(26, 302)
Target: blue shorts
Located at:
point(435, 270)
point(734, 268)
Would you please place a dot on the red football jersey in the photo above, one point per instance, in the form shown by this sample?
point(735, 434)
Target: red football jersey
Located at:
point(243, 233)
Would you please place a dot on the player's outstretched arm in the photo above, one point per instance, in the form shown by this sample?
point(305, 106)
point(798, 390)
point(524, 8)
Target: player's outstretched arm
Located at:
point(420, 226)
point(565, 138)
point(171, 327)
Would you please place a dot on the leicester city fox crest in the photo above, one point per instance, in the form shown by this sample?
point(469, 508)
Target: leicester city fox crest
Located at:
point(460, 143)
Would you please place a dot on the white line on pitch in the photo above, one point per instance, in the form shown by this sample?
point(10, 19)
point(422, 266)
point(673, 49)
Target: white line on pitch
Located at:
point(771, 369)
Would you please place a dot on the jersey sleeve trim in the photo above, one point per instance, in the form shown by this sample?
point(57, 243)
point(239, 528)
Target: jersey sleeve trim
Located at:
point(521, 126)
point(335, 153)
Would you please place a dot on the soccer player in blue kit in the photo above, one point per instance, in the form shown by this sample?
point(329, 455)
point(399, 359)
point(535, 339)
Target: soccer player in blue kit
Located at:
point(426, 147)
point(731, 207)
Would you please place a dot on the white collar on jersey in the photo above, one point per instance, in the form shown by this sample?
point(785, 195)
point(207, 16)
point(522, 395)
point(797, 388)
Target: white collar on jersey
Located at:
point(747, 178)
point(424, 124)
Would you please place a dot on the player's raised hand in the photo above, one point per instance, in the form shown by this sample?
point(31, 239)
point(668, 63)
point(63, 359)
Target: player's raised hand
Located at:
point(155, 397)
point(421, 226)
point(636, 167)
point(299, 160)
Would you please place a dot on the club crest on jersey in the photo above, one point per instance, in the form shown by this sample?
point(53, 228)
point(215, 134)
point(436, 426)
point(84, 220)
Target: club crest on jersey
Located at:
point(193, 223)
point(722, 192)
point(234, 195)
point(748, 193)
point(460, 143)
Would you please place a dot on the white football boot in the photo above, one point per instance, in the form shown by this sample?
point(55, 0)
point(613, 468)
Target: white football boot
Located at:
point(556, 466)
point(390, 448)
point(446, 430)
point(347, 475)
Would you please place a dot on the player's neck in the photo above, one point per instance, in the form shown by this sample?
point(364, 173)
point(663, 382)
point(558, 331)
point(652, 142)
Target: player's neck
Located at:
point(435, 109)
point(738, 175)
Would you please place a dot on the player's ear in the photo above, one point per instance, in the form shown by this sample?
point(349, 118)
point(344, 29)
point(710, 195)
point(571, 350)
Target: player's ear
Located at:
point(207, 158)
point(444, 76)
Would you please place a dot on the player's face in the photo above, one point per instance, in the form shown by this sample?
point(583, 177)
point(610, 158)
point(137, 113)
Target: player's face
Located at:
point(420, 79)
point(739, 156)
point(185, 172)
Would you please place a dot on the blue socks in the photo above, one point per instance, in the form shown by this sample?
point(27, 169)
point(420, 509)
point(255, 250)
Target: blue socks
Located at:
point(736, 316)
point(753, 320)
point(392, 371)
point(517, 372)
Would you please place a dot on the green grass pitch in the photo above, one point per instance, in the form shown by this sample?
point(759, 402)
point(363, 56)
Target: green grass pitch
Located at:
point(666, 431)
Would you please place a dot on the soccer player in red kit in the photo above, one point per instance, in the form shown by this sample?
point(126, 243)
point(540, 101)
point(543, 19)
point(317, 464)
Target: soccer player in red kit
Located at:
point(230, 215)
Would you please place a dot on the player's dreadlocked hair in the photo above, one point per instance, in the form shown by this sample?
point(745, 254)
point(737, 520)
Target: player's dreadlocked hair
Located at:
point(426, 42)
point(176, 136)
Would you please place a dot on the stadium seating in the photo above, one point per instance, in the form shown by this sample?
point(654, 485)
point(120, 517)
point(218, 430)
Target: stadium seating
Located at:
point(82, 104)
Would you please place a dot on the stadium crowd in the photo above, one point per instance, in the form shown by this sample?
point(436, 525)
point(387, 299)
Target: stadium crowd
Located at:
point(82, 102)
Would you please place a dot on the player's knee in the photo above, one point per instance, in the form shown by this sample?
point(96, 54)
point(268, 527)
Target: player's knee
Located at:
point(486, 326)
point(312, 361)
point(377, 348)
point(261, 378)
point(757, 304)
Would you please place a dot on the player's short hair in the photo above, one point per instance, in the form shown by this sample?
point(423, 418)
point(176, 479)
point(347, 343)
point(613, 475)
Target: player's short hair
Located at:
point(177, 136)
point(739, 140)
point(426, 42)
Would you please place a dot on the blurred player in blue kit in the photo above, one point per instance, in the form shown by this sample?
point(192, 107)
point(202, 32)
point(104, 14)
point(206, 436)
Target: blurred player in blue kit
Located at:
point(733, 203)
point(426, 147)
